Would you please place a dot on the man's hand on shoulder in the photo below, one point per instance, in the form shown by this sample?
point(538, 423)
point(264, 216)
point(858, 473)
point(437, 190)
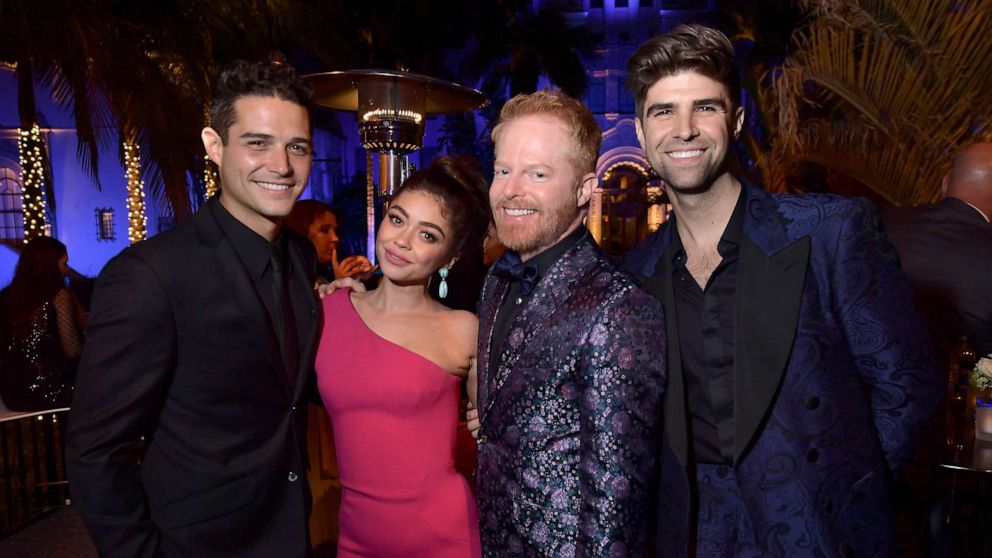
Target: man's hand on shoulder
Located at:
point(325, 289)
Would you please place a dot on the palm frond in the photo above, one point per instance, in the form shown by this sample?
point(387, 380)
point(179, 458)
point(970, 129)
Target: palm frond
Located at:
point(886, 91)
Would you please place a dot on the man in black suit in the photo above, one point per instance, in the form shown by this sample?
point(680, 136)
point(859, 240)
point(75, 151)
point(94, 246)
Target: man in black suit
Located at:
point(200, 343)
point(946, 249)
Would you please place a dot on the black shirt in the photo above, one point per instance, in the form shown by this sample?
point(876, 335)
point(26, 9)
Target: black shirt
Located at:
point(255, 253)
point(513, 301)
point(705, 321)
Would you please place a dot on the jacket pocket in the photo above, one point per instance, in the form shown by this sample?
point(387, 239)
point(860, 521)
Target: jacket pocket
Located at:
point(209, 504)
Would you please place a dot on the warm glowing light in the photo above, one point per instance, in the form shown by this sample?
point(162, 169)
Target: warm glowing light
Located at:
point(209, 177)
point(137, 222)
point(626, 165)
point(393, 114)
point(369, 208)
point(32, 159)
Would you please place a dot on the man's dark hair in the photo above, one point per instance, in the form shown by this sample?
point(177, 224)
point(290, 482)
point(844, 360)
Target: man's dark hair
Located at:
point(691, 47)
point(265, 79)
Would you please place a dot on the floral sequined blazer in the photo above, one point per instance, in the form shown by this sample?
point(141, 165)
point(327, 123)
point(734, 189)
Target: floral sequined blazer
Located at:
point(570, 413)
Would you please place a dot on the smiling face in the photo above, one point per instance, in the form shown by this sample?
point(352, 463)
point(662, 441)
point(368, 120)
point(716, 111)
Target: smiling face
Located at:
point(685, 130)
point(537, 193)
point(323, 235)
point(265, 164)
point(414, 238)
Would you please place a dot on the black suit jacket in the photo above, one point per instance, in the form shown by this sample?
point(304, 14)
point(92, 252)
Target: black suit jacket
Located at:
point(181, 351)
point(946, 249)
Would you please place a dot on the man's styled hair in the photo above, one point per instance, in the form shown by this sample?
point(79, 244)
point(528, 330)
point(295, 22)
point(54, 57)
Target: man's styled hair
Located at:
point(265, 79)
point(687, 48)
point(580, 125)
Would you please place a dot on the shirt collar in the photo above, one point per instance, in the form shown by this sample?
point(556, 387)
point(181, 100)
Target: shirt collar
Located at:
point(547, 258)
point(730, 238)
point(253, 249)
point(980, 212)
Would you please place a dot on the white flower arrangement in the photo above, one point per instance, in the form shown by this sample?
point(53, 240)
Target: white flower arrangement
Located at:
point(981, 376)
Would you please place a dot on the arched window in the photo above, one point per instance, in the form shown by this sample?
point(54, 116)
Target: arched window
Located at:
point(11, 212)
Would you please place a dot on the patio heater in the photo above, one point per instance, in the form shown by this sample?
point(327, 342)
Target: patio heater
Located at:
point(391, 108)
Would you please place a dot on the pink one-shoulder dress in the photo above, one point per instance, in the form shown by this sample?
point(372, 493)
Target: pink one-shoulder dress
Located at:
point(395, 415)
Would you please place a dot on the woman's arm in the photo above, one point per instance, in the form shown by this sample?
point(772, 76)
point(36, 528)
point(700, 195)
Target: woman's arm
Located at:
point(68, 323)
point(472, 385)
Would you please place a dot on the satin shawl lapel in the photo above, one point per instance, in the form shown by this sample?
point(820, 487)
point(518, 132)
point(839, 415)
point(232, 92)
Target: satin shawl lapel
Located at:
point(770, 283)
point(659, 284)
point(493, 291)
point(239, 287)
point(551, 292)
point(303, 300)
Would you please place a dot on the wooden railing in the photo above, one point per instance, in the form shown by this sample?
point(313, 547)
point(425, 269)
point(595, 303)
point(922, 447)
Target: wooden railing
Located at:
point(32, 466)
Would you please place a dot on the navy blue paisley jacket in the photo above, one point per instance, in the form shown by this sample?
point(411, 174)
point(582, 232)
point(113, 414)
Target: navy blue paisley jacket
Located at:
point(835, 379)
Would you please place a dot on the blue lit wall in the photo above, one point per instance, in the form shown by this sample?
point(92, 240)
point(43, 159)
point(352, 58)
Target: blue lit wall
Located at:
point(617, 27)
point(78, 197)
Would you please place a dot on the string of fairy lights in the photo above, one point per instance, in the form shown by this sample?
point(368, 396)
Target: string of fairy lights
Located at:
point(209, 177)
point(34, 202)
point(137, 221)
point(32, 159)
point(209, 169)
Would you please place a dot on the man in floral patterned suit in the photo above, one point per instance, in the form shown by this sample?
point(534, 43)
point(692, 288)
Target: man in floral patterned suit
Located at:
point(571, 354)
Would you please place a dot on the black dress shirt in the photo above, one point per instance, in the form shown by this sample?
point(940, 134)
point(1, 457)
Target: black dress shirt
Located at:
point(513, 301)
point(705, 321)
point(255, 253)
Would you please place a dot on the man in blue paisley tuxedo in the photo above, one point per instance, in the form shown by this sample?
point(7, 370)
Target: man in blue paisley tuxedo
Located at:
point(571, 360)
point(800, 374)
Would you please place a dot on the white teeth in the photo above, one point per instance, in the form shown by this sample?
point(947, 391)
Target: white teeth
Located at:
point(518, 212)
point(273, 186)
point(685, 154)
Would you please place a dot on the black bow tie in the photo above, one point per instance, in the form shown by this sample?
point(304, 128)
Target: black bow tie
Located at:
point(510, 267)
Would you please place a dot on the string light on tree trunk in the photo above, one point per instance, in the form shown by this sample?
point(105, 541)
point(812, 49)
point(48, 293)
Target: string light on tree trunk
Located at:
point(137, 222)
point(209, 177)
point(32, 159)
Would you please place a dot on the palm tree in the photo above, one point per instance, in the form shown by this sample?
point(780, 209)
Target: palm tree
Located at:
point(515, 46)
point(143, 70)
point(883, 91)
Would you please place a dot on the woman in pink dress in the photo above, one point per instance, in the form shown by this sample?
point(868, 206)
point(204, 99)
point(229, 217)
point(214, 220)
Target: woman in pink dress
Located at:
point(390, 365)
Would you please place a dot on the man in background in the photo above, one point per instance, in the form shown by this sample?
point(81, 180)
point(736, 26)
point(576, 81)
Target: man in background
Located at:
point(946, 249)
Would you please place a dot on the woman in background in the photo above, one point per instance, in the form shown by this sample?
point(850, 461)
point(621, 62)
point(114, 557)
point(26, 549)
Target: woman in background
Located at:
point(40, 325)
point(390, 366)
point(318, 222)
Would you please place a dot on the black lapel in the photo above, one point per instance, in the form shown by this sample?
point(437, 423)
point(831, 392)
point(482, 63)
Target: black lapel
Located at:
point(246, 299)
point(769, 295)
point(303, 300)
point(676, 427)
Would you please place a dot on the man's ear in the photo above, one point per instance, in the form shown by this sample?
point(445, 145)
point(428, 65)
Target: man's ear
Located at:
point(739, 124)
point(213, 144)
point(944, 185)
point(586, 187)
